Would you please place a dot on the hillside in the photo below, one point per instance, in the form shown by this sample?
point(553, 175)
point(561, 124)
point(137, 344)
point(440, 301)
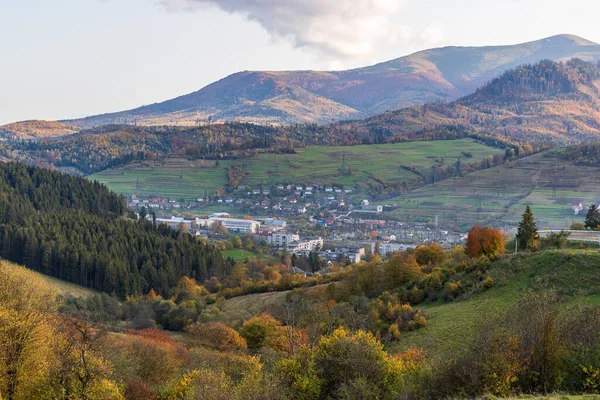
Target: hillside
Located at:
point(545, 102)
point(35, 129)
point(372, 165)
point(316, 96)
point(548, 182)
point(73, 229)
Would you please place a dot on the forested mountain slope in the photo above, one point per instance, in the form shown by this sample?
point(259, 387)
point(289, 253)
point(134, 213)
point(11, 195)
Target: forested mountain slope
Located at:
point(73, 229)
point(545, 102)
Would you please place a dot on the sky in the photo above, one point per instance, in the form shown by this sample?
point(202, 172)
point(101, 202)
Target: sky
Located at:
point(64, 59)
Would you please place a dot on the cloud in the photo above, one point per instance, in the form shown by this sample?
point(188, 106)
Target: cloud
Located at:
point(340, 30)
point(432, 35)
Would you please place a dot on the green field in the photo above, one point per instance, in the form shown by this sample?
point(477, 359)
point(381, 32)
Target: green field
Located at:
point(188, 179)
point(241, 255)
point(498, 196)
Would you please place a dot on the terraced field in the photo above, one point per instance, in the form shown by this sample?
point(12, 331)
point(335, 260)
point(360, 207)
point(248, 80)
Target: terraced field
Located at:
point(498, 196)
point(187, 179)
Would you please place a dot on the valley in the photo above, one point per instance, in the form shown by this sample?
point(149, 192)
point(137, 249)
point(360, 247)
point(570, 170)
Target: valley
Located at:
point(423, 228)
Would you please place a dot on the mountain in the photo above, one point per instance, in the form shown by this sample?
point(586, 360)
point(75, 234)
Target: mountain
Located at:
point(547, 102)
point(35, 129)
point(311, 96)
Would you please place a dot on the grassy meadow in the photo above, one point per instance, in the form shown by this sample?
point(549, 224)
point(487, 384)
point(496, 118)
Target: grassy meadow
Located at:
point(498, 196)
point(188, 179)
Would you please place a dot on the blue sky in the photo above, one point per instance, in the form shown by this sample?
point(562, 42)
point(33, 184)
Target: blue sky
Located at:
point(72, 58)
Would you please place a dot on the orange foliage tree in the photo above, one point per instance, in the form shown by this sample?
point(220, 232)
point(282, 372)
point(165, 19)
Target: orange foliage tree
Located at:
point(484, 241)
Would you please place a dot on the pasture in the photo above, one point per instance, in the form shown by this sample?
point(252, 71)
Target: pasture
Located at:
point(187, 179)
point(498, 196)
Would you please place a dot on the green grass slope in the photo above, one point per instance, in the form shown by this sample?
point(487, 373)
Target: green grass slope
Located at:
point(498, 196)
point(187, 179)
point(573, 274)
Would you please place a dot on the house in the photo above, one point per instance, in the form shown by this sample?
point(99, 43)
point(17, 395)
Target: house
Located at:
point(282, 239)
point(280, 187)
point(266, 192)
point(229, 200)
point(577, 207)
point(309, 244)
point(275, 224)
point(255, 191)
point(329, 189)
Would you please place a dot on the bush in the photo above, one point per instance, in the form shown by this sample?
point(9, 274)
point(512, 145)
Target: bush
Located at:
point(215, 335)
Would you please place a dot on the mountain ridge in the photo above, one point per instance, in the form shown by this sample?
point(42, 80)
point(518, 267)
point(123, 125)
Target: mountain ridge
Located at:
point(287, 97)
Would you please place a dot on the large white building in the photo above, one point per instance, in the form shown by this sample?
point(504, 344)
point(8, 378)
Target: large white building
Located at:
point(231, 224)
point(311, 244)
point(388, 248)
point(282, 239)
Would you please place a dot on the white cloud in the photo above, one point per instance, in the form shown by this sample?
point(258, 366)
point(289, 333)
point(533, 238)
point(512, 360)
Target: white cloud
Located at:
point(432, 35)
point(338, 30)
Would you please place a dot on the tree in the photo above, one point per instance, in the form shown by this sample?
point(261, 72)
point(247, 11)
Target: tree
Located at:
point(264, 331)
point(430, 254)
point(216, 335)
point(484, 241)
point(592, 219)
point(401, 268)
point(27, 304)
point(527, 235)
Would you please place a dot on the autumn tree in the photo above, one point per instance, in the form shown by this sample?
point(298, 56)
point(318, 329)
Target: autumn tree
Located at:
point(264, 331)
point(27, 305)
point(484, 241)
point(215, 335)
point(527, 235)
point(430, 254)
point(345, 365)
point(401, 268)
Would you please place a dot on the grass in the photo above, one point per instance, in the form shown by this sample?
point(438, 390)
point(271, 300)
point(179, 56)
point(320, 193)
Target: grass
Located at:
point(241, 255)
point(573, 274)
point(188, 179)
point(498, 196)
point(62, 288)
point(67, 289)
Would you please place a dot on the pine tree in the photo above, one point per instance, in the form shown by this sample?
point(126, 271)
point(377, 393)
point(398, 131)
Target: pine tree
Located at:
point(592, 219)
point(527, 234)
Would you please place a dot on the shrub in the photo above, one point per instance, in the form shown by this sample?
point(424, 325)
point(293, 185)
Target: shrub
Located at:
point(216, 335)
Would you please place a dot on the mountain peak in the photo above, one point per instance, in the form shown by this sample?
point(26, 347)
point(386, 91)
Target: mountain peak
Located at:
point(268, 97)
point(571, 38)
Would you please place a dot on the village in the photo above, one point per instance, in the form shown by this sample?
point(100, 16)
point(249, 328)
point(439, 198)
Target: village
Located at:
point(330, 222)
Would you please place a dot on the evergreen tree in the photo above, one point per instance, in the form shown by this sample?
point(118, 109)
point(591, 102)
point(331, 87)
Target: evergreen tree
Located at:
point(592, 219)
point(527, 234)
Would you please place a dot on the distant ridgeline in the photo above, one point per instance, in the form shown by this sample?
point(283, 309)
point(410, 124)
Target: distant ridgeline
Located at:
point(540, 105)
point(73, 229)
